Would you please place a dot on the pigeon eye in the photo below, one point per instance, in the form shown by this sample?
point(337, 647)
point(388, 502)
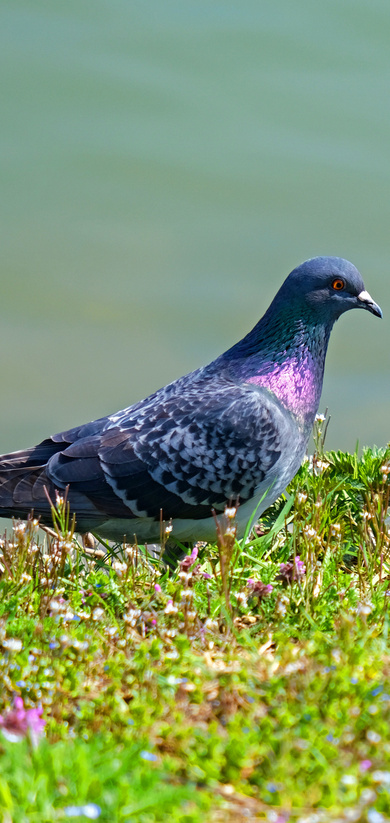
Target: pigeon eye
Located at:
point(338, 284)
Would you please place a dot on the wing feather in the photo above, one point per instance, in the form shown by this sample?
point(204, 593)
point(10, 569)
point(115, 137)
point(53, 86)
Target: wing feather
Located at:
point(186, 454)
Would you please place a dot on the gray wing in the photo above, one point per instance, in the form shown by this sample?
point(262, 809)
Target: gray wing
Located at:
point(184, 452)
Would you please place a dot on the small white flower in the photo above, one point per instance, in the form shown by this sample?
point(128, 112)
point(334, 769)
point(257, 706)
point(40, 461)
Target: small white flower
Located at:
point(367, 796)
point(375, 817)
point(364, 608)
point(68, 615)
point(19, 528)
point(310, 532)
point(80, 645)
point(280, 608)
point(381, 777)
point(302, 744)
point(373, 737)
point(90, 810)
point(55, 605)
point(170, 608)
point(320, 466)
point(97, 614)
point(12, 644)
point(348, 780)
point(230, 512)
point(352, 815)
point(315, 817)
point(119, 568)
point(301, 498)
point(132, 616)
point(348, 738)
point(210, 625)
point(65, 545)
point(173, 681)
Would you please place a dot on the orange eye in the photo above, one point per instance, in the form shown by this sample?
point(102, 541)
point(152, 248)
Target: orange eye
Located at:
point(338, 284)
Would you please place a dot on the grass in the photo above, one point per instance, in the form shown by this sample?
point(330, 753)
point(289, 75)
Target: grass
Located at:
point(251, 684)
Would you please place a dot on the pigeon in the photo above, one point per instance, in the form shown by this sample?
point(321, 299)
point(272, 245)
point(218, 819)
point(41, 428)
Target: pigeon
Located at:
point(232, 432)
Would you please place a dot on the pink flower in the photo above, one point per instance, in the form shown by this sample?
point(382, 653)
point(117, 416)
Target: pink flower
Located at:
point(189, 560)
point(364, 765)
point(18, 722)
point(290, 572)
point(258, 588)
point(157, 588)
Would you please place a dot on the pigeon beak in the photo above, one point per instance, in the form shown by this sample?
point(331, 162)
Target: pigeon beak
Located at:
point(368, 303)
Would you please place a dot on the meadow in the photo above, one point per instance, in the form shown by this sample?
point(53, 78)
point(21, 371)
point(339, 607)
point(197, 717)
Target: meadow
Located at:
point(251, 683)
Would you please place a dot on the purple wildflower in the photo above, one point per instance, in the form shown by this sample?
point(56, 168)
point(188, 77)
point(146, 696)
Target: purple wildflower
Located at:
point(16, 723)
point(157, 588)
point(364, 765)
point(189, 560)
point(258, 588)
point(290, 572)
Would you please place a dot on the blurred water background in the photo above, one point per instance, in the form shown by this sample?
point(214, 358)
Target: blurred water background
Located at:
point(164, 165)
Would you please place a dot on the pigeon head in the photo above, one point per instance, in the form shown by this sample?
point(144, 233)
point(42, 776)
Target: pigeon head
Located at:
point(285, 352)
point(324, 288)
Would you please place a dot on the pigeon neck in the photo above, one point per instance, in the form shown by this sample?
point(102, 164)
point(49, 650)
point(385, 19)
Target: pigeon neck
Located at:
point(287, 357)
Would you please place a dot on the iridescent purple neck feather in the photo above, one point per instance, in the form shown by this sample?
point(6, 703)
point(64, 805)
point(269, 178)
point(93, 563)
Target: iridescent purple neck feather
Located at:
point(285, 355)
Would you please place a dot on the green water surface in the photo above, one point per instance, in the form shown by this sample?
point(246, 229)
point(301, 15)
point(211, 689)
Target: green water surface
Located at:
point(164, 165)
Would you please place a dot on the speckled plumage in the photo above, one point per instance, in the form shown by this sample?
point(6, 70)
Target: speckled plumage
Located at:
point(236, 429)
